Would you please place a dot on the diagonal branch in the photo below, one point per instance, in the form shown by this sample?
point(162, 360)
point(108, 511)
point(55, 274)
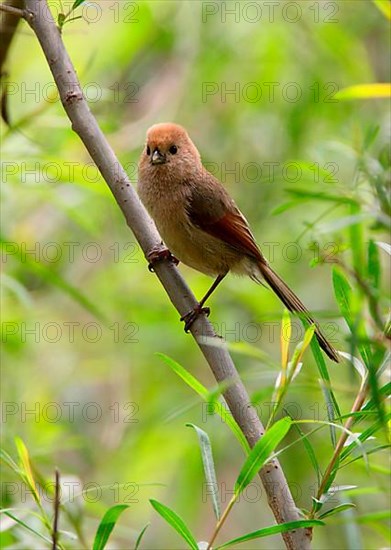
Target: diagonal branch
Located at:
point(84, 124)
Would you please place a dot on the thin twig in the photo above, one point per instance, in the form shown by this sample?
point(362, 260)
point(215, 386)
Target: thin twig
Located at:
point(57, 499)
point(358, 403)
point(214, 350)
point(8, 25)
point(8, 8)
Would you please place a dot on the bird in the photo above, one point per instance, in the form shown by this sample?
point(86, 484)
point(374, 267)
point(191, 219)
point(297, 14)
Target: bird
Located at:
point(200, 223)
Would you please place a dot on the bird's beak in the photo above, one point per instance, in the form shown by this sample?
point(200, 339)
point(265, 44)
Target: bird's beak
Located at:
point(158, 157)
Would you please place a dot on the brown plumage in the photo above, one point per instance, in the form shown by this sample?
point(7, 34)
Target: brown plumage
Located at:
point(198, 220)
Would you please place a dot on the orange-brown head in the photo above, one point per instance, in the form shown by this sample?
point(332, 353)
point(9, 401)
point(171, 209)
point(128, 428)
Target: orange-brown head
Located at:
point(169, 150)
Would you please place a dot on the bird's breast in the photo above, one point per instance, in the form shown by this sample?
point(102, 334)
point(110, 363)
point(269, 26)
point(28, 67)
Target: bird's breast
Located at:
point(190, 244)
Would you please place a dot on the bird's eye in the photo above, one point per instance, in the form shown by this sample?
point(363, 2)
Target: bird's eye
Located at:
point(148, 150)
point(173, 149)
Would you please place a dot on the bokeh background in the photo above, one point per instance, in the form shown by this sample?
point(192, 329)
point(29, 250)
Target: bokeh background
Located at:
point(83, 318)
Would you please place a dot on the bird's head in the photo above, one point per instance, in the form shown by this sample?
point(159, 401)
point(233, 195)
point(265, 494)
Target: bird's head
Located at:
point(168, 149)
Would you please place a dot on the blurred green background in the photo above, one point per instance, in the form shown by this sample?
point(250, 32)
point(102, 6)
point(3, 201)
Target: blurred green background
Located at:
point(83, 317)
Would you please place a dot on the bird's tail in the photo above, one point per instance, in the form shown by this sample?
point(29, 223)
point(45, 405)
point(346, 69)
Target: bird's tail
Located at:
point(294, 304)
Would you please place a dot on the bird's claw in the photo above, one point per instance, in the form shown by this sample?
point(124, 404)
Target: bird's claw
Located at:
point(158, 255)
point(192, 315)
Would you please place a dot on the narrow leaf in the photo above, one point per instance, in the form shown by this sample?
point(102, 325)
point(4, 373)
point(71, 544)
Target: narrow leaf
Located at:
point(357, 364)
point(343, 294)
point(364, 91)
point(300, 350)
point(324, 373)
point(373, 265)
point(209, 468)
point(286, 331)
point(368, 452)
point(176, 522)
point(385, 7)
point(332, 407)
point(190, 380)
point(272, 530)
point(310, 452)
point(28, 528)
point(261, 452)
point(337, 510)
point(77, 3)
point(26, 467)
point(345, 298)
point(215, 406)
point(139, 538)
point(226, 415)
point(385, 246)
point(106, 526)
point(310, 195)
point(366, 434)
point(7, 459)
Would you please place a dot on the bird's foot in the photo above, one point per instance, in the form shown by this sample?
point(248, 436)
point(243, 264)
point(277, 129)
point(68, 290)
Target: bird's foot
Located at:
point(159, 254)
point(190, 317)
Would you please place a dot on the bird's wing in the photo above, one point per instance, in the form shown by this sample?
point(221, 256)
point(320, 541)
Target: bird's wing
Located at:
point(217, 214)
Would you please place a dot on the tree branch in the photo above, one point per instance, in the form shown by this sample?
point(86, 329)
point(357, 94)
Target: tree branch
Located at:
point(215, 352)
point(10, 15)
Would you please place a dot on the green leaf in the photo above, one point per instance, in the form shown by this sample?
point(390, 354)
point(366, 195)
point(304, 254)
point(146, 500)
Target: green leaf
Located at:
point(284, 207)
point(364, 436)
point(107, 525)
point(300, 349)
point(7, 459)
point(139, 538)
point(345, 298)
point(364, 91)
point(332, 407)
point(226, 415)
point(310, 452)
point(26, 467)
point(373, 265)
point(190, 380)
point(337, 510)
point(28, 528)
point(215, 406)
point(384, 246)
point(261, 452)
point(176, 522)
point(320, 196)
point(357, 364)
point(384, 392)
point(370, 136)
point(77, 3)
point(286, 331)
point(385, 7)
point(209, 468)
point(343, 294)
point(368, 452)
point(61, 20)
point(272, 530)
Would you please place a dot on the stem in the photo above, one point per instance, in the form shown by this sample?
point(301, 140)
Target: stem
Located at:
point(8, 8)
point(221, 521)
point(57, 500)
point(358, 403)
